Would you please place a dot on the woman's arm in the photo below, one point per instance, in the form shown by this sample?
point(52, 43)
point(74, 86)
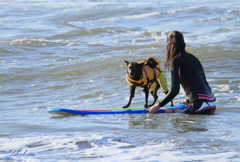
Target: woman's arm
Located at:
point(175, 75)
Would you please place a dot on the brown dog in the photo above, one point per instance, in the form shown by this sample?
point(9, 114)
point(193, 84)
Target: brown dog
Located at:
point(148, 75)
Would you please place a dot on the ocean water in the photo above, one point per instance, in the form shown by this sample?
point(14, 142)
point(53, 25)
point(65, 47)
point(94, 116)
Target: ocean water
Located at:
point(71, 54)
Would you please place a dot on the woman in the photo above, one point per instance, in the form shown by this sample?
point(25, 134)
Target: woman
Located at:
point(186, 70)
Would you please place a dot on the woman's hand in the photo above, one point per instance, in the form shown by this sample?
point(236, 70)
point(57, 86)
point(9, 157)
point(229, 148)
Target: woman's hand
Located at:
point(154, 109)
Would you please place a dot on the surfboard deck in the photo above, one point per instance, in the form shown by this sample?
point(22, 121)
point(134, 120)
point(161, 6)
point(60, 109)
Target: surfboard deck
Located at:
point(132, 110)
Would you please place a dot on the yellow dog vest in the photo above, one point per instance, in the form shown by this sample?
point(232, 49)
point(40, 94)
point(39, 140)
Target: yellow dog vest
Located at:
point(150, 75)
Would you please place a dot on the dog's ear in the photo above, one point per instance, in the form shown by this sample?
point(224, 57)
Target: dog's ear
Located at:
point(126, 62)
point(141, 63)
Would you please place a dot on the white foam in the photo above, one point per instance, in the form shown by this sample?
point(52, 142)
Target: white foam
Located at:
point(115, 41)
point(44, 41)
point(223, 87)
point(140, 16)
point(136, 16)
point(102, 147)
point(238, 98)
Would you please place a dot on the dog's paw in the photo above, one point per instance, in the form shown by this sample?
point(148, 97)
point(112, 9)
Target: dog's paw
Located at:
point(145, 106)
point(125, 106)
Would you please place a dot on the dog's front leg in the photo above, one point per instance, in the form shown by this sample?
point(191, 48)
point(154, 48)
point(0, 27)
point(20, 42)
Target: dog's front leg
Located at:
point(146, 91)
point(132, 92)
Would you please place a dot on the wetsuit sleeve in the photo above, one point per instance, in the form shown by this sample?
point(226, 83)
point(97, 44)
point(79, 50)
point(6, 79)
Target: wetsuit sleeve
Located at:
point(175, 68)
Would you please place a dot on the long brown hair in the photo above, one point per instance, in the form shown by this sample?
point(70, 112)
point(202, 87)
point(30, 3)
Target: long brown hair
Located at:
point(175, 46)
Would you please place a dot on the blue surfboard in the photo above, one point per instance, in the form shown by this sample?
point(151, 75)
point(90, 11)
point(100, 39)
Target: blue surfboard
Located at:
point(132, 110)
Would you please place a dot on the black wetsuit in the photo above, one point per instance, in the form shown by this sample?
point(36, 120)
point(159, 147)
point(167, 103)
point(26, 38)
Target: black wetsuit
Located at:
point(187, 70)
